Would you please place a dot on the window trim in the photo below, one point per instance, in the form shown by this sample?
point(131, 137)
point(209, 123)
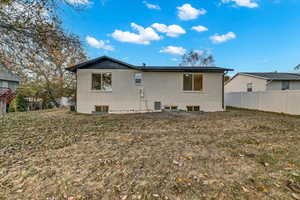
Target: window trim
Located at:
point(156, 103)
point(101, 90)
point(282, 84)
point(101, 108)
point(169, 108)
point(193, 108)
point(193, 84)
point(134, 78)
point(249, 87)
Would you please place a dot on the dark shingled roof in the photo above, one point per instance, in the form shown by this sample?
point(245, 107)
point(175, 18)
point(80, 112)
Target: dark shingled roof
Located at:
point(274, 75)
point(88, 64)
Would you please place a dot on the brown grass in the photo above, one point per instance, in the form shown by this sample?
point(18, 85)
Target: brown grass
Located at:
point(237, 154)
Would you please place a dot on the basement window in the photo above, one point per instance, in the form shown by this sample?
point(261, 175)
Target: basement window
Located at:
point(101, 109)
point(171, 108)
point(193, 108)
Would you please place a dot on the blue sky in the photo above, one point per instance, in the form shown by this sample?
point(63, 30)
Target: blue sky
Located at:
point(247, 35)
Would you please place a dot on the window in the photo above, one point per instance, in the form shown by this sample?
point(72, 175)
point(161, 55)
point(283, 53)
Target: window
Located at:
point(189, 108)
point(12, 85)
point(102, 81)
point(138, 78)
point(167, 108)
point(170, 108)
point(187, 82)
point(101, 109)
point(192, 82)
point(285, 85)
point(174, 108)
point(4, 84)
point(193, 108)
point(249, 87)
point(157, 105)
point(196, 108)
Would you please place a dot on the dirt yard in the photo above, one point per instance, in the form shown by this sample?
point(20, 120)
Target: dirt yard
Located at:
point(238, 154)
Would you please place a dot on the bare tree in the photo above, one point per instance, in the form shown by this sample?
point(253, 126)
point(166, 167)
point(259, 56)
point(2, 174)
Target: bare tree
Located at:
point(197, 58)
point(34, 45)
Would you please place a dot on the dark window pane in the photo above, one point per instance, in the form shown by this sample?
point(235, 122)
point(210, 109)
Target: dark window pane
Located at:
point(187, 82)
point(285, 85)
point(249, 87)
point(96, 81)
point(196, 108)
point(198, 79)
point(189, 108)
point(98, 108)
point(103, 109)
point(106, 82)
point(157, 105)
point(174, 108)
point(138, 78)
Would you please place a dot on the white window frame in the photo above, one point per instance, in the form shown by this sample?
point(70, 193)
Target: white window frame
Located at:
point(249, 84)
point(135, 78)
point(101, 73)
point(288, 84)
point(193, 83)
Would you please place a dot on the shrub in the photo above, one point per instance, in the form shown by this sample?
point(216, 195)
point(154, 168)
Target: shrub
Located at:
point(12, 106)
point(21, 104)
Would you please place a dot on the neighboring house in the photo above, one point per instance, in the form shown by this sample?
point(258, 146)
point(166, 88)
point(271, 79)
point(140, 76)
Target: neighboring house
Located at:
point(252, 82)
point(8, 84)
point(108, 85)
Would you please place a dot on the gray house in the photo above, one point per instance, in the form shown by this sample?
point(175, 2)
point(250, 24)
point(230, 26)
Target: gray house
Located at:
point(266, 81)
point(8, 84)
point(108, 85)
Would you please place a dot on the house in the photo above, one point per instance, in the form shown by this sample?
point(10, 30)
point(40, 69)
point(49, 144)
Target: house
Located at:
point(8, 84)
point(109, 85)
point(252, 82)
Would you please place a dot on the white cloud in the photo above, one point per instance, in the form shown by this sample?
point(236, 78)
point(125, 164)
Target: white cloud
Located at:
point(173, 50)
point(78, 2)
point(99, 44)
point(243, 3)
point(222, 38)
point(151, 6)
point(143, 36)
point(172, 30)
point(187, 12)
point(174, 59)
point(199, 28)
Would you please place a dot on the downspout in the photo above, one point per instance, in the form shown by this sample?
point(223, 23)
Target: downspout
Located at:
point(76, 91)
point(223, 85)
point(223, 106)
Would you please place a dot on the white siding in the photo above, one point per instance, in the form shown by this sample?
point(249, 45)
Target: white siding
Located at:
point(165, 87)
point(240, 81)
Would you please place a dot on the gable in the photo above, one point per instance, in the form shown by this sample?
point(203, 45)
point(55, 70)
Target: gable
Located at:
point(106, 64)
point(239, 82)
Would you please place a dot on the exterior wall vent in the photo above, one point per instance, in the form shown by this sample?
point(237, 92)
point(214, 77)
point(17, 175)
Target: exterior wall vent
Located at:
point(157, 105)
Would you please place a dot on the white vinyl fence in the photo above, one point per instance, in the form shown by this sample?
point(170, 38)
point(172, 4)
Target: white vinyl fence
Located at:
point(287, 101)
